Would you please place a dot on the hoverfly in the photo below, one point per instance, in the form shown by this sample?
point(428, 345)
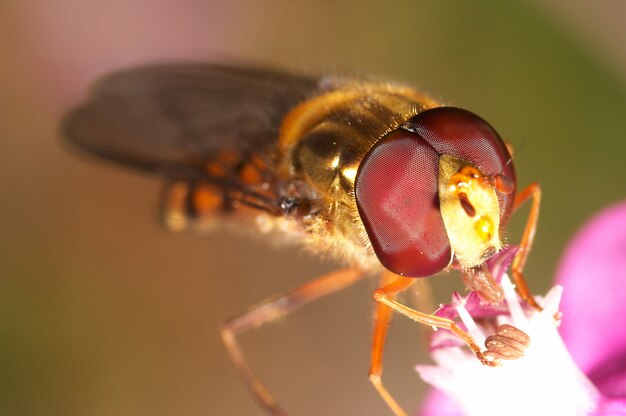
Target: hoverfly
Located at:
point(377, 174)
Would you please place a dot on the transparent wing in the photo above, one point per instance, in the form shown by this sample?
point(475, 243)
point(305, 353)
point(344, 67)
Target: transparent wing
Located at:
point(172, 119)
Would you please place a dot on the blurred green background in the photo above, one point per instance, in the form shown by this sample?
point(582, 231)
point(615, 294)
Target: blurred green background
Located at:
point(102, 312)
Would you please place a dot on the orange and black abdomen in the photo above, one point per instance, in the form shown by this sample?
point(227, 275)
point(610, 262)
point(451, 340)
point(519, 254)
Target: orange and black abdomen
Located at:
point(248, 185)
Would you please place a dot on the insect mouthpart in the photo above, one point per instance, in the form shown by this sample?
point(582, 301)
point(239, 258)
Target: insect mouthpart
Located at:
point(480, 279)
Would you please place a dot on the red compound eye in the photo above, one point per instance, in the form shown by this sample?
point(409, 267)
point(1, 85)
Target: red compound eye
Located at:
point(397, 197)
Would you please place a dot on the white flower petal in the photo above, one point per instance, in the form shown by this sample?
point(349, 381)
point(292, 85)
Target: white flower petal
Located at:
point(545, 381)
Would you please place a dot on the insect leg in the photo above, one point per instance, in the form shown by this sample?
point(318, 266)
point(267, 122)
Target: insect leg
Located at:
point(381, 327)
point(385, 296)
point(271, 309)
point(531, 191)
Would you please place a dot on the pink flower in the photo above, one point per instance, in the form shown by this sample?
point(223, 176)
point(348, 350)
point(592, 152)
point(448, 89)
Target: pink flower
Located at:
point(577, 369)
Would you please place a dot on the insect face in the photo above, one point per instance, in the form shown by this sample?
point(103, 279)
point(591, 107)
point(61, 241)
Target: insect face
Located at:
point(427, 195)
point(470, 211)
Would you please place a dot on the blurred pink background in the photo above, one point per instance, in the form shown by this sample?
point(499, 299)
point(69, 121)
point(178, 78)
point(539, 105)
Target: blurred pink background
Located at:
point(102, 312)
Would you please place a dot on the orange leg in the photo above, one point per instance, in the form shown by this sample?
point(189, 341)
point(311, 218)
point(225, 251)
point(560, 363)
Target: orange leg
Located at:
point(531, 191)
point(381, 327)
point(385, 297)
point(270, 310)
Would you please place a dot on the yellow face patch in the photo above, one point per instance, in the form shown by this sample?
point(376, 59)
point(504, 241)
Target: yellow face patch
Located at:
point(470, 210)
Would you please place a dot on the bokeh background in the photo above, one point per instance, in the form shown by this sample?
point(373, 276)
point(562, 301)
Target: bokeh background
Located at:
point(102, 312)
